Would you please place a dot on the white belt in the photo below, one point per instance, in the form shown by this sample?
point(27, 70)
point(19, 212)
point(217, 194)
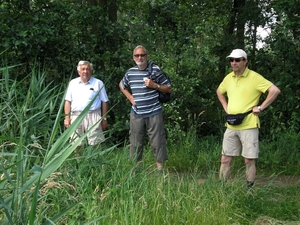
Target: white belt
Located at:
point(76, 113)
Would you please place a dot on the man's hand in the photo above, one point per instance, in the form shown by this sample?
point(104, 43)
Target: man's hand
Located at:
point(67, 122)
point(104, 124)
point(150, 83)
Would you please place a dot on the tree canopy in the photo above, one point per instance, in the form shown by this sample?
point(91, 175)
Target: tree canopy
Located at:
point(189, 39)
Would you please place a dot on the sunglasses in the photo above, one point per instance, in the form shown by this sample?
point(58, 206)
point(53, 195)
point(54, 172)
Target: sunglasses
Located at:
point(237, 60)
point(139, 55)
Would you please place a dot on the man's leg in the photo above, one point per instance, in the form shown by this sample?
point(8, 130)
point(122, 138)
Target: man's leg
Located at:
point(77, 152)
point(137, 136)
point(250, 153)
point(225, 167)
point(157, 136)
point(250, 172)
point(231, 146)
point(95, 136)
point(159, 165)
point(78, 132)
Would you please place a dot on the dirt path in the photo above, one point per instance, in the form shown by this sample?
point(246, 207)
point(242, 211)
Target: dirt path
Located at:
point(272, 180)
point(278, 180)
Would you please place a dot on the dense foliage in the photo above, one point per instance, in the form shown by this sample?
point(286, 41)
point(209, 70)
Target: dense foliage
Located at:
point(189, 39)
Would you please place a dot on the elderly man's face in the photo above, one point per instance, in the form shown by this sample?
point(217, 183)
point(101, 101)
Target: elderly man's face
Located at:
point(140, 57)
point(85, 73)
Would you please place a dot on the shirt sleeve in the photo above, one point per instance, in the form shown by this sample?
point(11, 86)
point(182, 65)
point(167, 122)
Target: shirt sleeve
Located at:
point(125, 81)
point(103, 94)
point(68, 96)
point(263, 84)
point(222, 87)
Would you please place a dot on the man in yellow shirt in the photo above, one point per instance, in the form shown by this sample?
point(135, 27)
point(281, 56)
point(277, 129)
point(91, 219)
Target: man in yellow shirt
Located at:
point(243, 88)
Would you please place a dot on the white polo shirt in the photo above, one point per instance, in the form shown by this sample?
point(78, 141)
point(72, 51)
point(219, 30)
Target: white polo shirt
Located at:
point(80, 94)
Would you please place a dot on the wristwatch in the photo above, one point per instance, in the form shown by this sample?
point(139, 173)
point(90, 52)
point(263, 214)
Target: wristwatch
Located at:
point(259, 108)
point(157, 87)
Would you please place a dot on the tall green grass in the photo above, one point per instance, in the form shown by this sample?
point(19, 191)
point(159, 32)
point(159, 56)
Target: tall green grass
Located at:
point(33, 146)
point(42, 182)
point(112, 190)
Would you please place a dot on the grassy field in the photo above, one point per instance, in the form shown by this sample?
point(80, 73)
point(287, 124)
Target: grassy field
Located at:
point(109, 189)
point(43, 182)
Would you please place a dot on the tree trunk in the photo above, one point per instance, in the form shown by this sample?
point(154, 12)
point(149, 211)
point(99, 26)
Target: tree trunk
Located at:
point(240, 22)
point(112, 11)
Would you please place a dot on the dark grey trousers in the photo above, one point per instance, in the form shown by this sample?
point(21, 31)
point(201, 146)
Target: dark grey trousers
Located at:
point(154, 127)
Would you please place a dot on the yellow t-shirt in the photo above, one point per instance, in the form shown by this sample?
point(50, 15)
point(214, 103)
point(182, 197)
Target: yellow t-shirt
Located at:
point(243, 94)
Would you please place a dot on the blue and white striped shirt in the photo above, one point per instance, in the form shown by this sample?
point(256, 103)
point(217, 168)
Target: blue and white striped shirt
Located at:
point(146, 99)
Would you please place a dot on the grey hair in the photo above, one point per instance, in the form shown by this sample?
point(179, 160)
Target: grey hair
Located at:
point(82, 62)
point(142, 47)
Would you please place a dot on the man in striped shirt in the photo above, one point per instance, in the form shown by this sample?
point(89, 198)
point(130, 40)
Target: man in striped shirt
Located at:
point(146, 112)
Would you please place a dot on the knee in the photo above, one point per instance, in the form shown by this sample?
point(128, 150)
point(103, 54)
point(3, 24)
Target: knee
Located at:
point(226, 160)
point(249, 161)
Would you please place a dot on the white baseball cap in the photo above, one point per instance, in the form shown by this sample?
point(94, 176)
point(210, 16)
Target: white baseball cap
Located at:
point(237, 53)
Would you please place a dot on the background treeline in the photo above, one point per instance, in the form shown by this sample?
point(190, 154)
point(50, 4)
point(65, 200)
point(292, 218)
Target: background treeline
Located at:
point(189, 39)
point(43, 182)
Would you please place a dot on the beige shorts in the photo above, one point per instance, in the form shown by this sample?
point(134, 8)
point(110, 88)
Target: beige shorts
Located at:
point(241, 142)
point(94, 136)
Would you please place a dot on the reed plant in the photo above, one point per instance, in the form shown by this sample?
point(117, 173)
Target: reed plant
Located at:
point(33, 146)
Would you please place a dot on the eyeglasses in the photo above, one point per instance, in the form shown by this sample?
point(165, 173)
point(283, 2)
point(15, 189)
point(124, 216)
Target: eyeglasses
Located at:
point(237, 60)
point(139, 55)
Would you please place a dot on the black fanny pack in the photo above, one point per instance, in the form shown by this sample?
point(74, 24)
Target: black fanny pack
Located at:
point(236, 119)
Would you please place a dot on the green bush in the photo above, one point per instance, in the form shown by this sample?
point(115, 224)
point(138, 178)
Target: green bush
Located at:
point(281, 154)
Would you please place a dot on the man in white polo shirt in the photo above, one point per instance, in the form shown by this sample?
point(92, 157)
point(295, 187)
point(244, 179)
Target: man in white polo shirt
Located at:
point(81, 91)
